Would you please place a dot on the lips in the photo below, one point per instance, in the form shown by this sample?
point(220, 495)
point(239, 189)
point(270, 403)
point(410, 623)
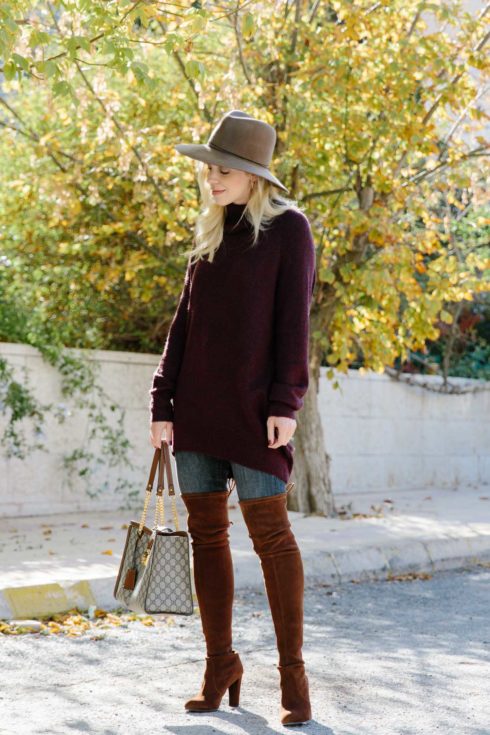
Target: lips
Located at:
point(218, 191)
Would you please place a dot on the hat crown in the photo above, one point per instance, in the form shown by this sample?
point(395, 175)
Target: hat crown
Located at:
point(238, 141)
point(245, 136)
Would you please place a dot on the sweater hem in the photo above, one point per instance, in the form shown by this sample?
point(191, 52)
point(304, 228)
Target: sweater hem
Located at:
point(277, 466)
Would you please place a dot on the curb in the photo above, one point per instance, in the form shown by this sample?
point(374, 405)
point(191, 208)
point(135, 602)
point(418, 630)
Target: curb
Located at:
point(363, 564)
point(382, 562)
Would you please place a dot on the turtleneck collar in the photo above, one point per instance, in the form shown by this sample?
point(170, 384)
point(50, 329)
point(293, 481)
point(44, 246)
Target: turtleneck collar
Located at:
point(233, 212)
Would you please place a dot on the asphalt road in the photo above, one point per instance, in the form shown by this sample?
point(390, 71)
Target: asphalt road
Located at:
point(394, 658)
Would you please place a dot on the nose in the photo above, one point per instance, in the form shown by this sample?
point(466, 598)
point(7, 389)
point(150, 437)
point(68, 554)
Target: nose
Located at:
point(213, 175)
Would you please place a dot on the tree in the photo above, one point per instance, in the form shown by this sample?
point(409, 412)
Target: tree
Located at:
point(379, 119)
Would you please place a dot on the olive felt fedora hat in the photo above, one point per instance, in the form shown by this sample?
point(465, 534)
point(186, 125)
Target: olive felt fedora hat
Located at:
point(238, 141)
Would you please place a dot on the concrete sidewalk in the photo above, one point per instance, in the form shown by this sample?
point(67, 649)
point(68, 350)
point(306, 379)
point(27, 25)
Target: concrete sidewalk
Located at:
point(53, 563)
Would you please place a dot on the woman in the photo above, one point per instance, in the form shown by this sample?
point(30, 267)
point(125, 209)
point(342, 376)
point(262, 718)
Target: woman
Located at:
point(235, 365)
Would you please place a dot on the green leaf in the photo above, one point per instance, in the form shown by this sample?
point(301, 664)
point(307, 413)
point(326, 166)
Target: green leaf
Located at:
point(62, 89)
point(21, 61)
point(84, 43)
point(140, 66)
point(9, 70)
point(38, 37)
point(71, 45)
point(326, 275)
point(248, 25)
point(50, 68)
point(172, 41)
point(193, 68)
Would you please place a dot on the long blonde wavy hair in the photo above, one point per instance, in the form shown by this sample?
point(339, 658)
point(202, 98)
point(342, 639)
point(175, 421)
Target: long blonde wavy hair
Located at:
point(264, 204)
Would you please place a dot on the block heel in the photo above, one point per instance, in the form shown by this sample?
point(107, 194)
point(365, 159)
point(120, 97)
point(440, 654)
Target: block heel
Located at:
point(220, 670)
point(234, 693)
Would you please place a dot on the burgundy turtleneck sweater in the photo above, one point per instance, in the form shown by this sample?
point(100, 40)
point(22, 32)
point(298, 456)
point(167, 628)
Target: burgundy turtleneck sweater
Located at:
point(237, 347)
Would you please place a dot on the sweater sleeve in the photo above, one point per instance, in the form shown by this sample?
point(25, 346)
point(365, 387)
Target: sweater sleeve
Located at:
point(293, 298)
point(167, 372)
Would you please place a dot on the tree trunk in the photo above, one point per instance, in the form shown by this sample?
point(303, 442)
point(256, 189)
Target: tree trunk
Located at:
point(311, 473)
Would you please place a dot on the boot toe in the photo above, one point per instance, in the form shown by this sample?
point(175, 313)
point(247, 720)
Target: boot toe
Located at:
point(295, 717)
point(199, 705)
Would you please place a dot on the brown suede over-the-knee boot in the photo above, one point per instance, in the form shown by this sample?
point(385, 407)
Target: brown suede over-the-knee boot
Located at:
point(208, 525)
point(270, 530)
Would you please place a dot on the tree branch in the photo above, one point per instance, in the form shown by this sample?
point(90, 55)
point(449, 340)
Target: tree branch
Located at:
point(326, 193)
point(240, 50)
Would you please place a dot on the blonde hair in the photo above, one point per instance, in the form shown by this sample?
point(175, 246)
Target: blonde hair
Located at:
point(262, 207)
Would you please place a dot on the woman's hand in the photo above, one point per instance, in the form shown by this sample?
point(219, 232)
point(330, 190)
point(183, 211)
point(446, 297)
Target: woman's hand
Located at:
point(285, 429)
point(161, 430)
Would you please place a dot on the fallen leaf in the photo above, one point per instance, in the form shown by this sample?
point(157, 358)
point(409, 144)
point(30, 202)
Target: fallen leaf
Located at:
point(408, 576)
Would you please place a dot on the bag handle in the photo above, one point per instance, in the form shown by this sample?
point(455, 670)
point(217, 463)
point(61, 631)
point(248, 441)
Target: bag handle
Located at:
point(165, 462)
point(161, 459)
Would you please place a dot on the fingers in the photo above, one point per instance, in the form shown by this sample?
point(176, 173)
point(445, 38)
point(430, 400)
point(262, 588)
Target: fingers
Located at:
point(154, 442)
point(161, 431)
point(282, 438)
point(154, 434)
point(283, 427)
point(271, 431)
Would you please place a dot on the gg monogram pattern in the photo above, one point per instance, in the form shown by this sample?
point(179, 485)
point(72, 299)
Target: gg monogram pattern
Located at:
point(163, 585)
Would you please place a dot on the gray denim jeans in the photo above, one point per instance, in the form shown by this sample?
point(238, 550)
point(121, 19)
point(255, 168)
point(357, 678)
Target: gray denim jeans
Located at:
point(201, 473)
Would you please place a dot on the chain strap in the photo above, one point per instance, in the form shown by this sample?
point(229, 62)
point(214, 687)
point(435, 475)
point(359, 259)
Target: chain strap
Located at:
point(161, 459)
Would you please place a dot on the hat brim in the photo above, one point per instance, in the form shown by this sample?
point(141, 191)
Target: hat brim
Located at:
point(203, 152)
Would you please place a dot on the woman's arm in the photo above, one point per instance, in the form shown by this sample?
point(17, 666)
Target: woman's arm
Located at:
point(294, 292)
point(167, 372)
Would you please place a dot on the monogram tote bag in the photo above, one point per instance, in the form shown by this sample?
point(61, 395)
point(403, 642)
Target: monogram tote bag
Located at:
point(154, 574)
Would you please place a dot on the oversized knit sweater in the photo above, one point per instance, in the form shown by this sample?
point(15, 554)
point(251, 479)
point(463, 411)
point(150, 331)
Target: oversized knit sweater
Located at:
point(237, 348)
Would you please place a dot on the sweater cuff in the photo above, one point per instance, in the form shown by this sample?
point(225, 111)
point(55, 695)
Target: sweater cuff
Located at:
point(277, 408)
point(162, 413)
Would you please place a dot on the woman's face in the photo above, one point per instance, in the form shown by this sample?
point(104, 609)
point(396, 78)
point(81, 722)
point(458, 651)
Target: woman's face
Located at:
point(229, 184)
